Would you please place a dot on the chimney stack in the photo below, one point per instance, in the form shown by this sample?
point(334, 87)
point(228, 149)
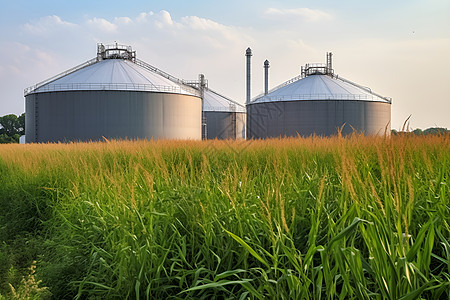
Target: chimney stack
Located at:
point(248, 54)
point(266, 77)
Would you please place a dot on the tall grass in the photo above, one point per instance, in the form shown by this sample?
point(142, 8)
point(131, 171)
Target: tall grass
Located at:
point(302, 218)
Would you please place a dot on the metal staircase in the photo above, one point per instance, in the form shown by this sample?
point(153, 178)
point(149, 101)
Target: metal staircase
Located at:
point(186, 85)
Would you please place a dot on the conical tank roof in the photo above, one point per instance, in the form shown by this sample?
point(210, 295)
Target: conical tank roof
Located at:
point(213, 101)
point(115, 68)
point(114, 74)
point(320, 87)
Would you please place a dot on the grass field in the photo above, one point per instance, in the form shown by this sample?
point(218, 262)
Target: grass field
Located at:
point(349, 218)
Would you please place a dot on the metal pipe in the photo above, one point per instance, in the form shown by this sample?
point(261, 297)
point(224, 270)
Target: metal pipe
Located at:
point(266, 77)
point(202, 95)
point(248, 54)
point(329, 63)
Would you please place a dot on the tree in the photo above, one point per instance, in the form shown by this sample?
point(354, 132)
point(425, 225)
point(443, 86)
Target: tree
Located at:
point(435, 131)
point(11, 128)
point(21, 124)
point(418, 131)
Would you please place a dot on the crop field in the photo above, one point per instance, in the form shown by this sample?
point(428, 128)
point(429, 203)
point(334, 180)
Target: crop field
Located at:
point(298, 218)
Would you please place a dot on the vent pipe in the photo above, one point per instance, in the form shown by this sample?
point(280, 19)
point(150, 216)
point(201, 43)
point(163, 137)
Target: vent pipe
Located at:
point(248, 54)
point(329, 64)
point(202, 81)
point(266, 77)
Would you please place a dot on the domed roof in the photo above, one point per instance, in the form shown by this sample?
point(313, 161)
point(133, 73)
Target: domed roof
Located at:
point(320, 87)
point(213, 101)
point(114, 74)
point(115, 68)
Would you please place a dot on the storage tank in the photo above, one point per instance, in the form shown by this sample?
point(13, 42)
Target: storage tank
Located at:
point(318, 102)
point(113, 96)
point(225, 118)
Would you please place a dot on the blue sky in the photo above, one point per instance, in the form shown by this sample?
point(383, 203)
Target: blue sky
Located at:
point(398, 48)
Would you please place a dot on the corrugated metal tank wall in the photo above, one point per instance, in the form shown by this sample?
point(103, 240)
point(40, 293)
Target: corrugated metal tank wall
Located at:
point(92, 115)
point(225, 125)
point(319, 117)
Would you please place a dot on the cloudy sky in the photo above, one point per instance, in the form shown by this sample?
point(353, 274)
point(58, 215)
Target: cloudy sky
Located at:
point(400, 49)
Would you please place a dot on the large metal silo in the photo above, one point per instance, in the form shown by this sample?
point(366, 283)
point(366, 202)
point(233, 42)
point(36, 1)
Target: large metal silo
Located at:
point(318, 102)
point(113, 96)
point(225, 118)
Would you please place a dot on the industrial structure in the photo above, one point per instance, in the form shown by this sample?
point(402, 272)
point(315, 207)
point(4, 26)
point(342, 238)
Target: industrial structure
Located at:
point(224, 118)
point(317, 102)
point(113, 96)
point(117, 96)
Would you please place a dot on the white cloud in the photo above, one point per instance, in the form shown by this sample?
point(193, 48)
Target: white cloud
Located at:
point(48, 24)
point(26, 60)
point(312, 15)
point(198, 23)
point(143, 17)
point(123, 20)
point(23, 67)
point(165, 17)
point(102, 24)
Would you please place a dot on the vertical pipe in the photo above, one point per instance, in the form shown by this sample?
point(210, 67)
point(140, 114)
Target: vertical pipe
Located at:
point(266, 77)
point(202, 95)
point(329, 63)
point(248, 54)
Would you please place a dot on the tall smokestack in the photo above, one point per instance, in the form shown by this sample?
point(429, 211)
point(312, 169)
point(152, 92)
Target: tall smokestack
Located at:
point(248, 54)
point(266, 77)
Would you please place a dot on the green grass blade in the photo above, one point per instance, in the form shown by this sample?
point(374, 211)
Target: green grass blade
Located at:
point(247, 246)
point(228, 273)
point(416, 293)
point(216, 285)
point(346, 231)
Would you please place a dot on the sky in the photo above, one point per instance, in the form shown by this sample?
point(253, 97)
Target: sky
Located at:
point(400, 49)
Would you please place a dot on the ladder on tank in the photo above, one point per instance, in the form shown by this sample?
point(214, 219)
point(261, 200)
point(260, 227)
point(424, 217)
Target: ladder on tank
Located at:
point(233, 120)
point(204, 129)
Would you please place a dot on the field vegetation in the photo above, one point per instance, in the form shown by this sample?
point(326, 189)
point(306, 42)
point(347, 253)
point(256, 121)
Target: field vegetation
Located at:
point(297, 218)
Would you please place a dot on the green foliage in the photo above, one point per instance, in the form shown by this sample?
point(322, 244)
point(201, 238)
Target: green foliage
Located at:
point(353, 218)
point(11, 128)
point(429, 131)
point(436, 130)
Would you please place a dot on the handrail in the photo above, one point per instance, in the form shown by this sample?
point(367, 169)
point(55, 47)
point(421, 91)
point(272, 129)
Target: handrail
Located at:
point(223, 109)
point(33, 88)
point(294, 97)
point(45, 86)
point(294, 79)
point(167, 75)
point(195, 83)
point(319, 97)
point(226, 98)
point(158, 71)
point(364, 88)
point(113, 87)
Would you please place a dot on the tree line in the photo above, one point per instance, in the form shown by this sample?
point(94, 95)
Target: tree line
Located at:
point(11, 128)
point(418, 131)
